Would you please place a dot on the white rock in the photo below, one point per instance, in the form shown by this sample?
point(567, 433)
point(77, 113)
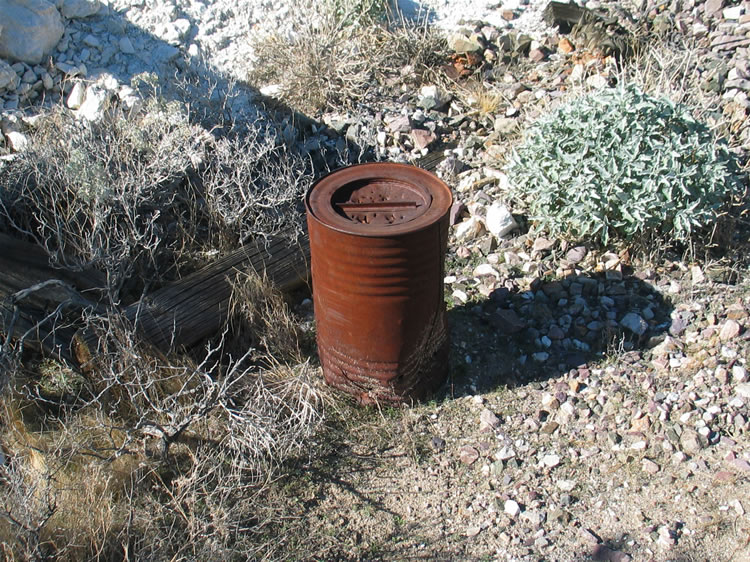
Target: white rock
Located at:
point(17, 141)
point(272, 90)
point(597, 81)
point(469, 229)
point(460, 296)
point(512, 508)
point(499, 220)
point(743, 390)
point(130, 98)
point(485, 269)
point(505, 453)
point(733, 13)
point(76, 96)
point(551, 460)
point(566, 485)
point(31, 29)
point(94, 103)
point(79, 8)
point(739, 373)
point(182, 25)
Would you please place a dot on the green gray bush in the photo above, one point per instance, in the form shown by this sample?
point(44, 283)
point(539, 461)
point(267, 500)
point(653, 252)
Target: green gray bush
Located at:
point(623, 164)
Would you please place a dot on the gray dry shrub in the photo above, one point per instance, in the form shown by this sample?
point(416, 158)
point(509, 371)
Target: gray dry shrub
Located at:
point(341, 52)
point(142, 192)
point(622, 164)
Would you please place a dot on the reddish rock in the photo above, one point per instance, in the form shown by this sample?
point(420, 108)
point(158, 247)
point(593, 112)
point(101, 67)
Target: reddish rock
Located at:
point(537, 55)
point(422, 138)
point(565, 46)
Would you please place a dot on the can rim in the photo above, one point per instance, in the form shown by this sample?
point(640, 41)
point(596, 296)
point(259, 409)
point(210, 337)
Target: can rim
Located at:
point(320, 207)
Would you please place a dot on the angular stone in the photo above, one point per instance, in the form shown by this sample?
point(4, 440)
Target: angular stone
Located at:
point(76, 96)
point(713, 7)
point(94, 103)
point(499, 220)
point(507, 321)
point(126, 46)
point(729, 330)
point(537, 55)
point(692, 442)
point(468, 455)
point(79, 8)
point(469, 229)
point(733, 13)
point(512, 508)
point(422, 138)
point(743, 390)
point(31, 29)
point(565, 46)
point(457, 210)
point(550, 460)
point(488, 420)
point(542, 244)
point(459, 43)
point(8, 76)
point(485, 269)
point(433, 97)
point(575, 255)
point(634, 323)
point(649, 466)
point(17, 141)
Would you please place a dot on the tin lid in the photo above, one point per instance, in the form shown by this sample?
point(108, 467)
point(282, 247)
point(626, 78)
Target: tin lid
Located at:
point(379, 199)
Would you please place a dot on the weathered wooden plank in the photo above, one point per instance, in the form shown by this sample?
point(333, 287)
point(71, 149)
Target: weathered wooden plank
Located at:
point(38, 301)
point(194, 308)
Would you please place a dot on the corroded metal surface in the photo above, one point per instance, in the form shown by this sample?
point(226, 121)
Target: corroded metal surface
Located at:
point(378, 235)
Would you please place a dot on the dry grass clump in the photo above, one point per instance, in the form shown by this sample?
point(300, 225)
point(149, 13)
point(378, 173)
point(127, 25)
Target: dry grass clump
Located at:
point(139, 195)
point(261, 317)
point(340, 54)
point(162, 460)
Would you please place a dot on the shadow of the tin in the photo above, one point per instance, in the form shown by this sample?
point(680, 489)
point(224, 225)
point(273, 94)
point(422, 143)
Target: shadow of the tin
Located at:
point(489, 353)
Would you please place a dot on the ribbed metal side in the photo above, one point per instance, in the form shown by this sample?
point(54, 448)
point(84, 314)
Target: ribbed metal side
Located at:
point(379, 308)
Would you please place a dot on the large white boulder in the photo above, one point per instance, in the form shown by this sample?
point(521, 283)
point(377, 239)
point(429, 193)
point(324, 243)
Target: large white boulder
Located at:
point(31, 29)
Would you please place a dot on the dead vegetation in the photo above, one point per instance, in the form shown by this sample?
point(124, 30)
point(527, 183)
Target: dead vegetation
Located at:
point(146, 455)
point(347, 53)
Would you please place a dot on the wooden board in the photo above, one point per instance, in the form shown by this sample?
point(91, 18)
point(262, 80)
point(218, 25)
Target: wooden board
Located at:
point(193, 308)
point(38, 300)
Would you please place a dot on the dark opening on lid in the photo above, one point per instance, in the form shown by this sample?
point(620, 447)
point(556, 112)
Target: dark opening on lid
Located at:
point(380, 201)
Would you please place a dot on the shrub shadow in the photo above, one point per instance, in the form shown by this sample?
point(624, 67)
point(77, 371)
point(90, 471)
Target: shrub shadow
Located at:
point(518, 337)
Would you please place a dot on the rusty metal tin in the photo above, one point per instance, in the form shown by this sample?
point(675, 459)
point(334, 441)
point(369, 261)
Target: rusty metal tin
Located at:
point(378, 235)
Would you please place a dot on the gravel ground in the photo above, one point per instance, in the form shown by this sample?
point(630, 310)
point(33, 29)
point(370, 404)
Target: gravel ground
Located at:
point(598, 404)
